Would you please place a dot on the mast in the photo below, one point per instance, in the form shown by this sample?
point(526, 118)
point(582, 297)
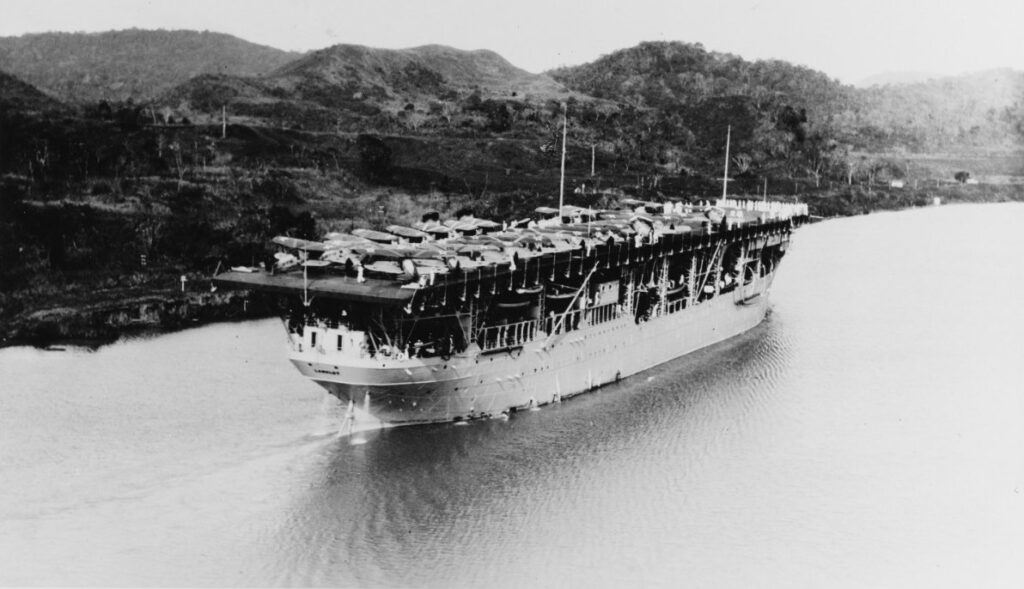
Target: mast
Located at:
point(561, 185)
point(304, 256)
point(725, 176)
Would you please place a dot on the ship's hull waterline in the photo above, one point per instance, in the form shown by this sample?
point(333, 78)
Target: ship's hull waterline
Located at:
point(475, 385)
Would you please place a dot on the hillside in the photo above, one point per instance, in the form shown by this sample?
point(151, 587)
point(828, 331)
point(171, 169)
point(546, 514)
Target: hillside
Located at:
point(16, 95)
point(658, 110)
point(782, 114)
point(982, 110)
point(130, 64)
point(672, 74)
point(420, 73)
point(433, 89)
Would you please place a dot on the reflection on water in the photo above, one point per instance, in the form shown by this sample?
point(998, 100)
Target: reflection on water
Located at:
point(867, 434)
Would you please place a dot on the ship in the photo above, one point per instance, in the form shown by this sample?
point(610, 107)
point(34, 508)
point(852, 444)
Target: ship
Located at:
point(468, 318)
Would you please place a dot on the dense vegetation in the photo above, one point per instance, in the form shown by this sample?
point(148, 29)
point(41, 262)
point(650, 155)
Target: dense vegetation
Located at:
point(793, 121)
point(976, 111)
point(18, 96)
point(106, 197)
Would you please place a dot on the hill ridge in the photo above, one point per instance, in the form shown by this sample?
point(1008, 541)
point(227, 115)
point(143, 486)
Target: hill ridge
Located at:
point(135, 64)
point(433, 64)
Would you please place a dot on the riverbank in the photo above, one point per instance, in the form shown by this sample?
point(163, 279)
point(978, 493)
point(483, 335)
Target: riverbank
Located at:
point(105, 317)
point(859, 199)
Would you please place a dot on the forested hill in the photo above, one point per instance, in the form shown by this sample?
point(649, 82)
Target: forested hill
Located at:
point(780, 115)
point(19, 96)
point(130, 64)
point(979, 110)
point(762, 98)
point(424, 90)
point(427, 71)
point(675, 74)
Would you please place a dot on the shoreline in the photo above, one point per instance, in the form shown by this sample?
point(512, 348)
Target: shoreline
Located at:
point(101, 323)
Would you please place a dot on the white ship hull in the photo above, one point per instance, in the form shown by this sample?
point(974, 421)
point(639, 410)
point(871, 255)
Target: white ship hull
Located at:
point(475, 384)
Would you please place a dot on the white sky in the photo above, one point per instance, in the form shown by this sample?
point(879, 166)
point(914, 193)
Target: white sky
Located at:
point(848, 40)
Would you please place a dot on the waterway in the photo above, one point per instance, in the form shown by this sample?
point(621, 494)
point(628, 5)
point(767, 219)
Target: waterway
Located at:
point(870, 433)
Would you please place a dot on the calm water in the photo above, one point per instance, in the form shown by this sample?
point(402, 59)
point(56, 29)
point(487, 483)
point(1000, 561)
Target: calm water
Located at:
point(869, 434)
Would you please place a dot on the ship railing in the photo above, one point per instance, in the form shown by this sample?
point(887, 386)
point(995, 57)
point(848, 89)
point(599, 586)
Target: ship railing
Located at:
point(581, 318)
point(571, 322)
point(675, 306)
point(602, 313)
point(510, 335)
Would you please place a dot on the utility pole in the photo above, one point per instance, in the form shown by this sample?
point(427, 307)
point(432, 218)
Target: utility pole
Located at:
point(561, 185)
point(725, 177)
point(223, 121)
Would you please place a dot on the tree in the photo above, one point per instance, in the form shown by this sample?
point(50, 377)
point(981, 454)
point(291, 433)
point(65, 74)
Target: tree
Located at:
point(413, 120)
point(444, 109)
point(822, 154)
point(499, 117)
point(962, 176)
point(179, 161)
point(742, 162)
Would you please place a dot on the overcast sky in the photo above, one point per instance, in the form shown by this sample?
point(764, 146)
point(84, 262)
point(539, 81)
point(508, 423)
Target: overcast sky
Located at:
point(848, 40)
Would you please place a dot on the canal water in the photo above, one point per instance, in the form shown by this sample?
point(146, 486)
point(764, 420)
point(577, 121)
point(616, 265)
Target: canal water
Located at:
point(870, 433)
